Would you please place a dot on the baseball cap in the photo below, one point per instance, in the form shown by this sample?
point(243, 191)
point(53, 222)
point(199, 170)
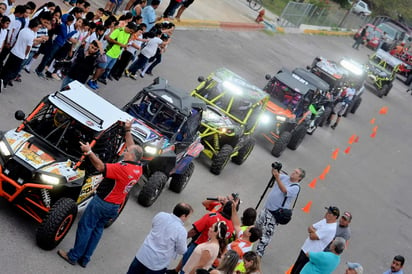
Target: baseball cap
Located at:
point(347, 215)
point(355, 266)
point(334, 210)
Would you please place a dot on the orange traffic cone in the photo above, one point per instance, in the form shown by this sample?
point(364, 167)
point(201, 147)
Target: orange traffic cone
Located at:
point(289, 270)
point(259, 18)
point(313, 183)
point(383, 110)
point(335, 154)
point(347, 150)
point(372, 121)
point(306, 209)
point(352, 139)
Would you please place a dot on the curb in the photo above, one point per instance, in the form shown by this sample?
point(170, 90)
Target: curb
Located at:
point(209, 24)
point(237, 26)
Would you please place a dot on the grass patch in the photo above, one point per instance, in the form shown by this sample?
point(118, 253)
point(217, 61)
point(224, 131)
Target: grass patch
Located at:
point(275, 6)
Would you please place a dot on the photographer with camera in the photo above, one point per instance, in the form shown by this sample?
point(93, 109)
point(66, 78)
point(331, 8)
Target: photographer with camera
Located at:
point(216, 204)
point(284, 190)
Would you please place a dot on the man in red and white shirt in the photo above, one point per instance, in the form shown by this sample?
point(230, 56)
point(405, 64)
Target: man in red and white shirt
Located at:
point(119, 178)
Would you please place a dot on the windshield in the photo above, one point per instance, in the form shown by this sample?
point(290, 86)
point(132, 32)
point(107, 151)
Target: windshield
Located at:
point(373, 33)
point(284, 95)
point(229, 97)
point(378, 61)
point(157, 114)
point(60, 130)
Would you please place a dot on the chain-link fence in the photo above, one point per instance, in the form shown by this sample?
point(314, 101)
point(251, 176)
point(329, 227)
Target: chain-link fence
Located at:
point(295, 14)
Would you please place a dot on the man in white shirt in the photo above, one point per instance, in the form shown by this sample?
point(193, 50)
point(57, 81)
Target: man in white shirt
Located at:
point(166, 240)
point(19, 52)
point(320, 235)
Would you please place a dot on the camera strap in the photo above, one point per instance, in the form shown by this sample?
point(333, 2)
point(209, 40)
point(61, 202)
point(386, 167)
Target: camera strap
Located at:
point(284, 200)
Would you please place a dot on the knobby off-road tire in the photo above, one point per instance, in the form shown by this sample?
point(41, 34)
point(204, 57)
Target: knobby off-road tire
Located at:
point(180, 181)
point(281, 143)
point(297, 137)
point(244, 152)
point(57, 223)
point(152, 189)
point(325, 116)
point(220, 160)
point(109, 223)
point(388, 89)
point(383, 90)
point(356, 105)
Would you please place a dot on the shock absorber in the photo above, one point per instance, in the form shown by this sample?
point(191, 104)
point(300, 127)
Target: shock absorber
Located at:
point(46, 197)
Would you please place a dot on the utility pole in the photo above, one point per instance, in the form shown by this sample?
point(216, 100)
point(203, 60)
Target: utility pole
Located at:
point(346, 14)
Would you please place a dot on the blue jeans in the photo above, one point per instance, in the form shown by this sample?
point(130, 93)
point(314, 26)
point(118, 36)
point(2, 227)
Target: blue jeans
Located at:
point(90, 228)
point(66, 80)
point(136, 267)
point(109, 65)
point(138, 64)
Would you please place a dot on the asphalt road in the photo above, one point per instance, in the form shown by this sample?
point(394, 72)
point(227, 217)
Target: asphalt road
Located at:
point(371, 181)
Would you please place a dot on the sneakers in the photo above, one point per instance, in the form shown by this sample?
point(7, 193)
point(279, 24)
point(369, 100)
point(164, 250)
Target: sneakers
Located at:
point(103, 81)
point(49, 75)
point(334, 126)
point(127, 73)
point(55, 76)
point(64, 256)
point(92, 84)
point(133, 76)
point(39, 73)
point(26, 70)
point(141, 75)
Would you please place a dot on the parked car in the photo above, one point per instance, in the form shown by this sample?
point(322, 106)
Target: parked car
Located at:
point(373, 36)
point(361, 8)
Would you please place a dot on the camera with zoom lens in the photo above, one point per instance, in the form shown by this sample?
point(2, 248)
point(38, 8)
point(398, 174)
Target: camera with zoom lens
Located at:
point(277, 166)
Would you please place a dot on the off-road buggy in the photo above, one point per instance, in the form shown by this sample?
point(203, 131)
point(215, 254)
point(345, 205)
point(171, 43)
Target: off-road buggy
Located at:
point(322, 103)
point(346, 72)
point(382, 68)
point(166, 126)
point(405, 69)
point(43, 171)
point(287, 113)
point(233, 109)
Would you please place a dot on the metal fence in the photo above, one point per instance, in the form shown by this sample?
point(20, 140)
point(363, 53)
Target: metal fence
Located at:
point(295, 14)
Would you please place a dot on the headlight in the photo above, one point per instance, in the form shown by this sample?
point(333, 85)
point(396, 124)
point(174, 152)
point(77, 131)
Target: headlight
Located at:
point(4, 149)
point(265, 119)
point(150, 150)
point(281, 118)
point(48, 179)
